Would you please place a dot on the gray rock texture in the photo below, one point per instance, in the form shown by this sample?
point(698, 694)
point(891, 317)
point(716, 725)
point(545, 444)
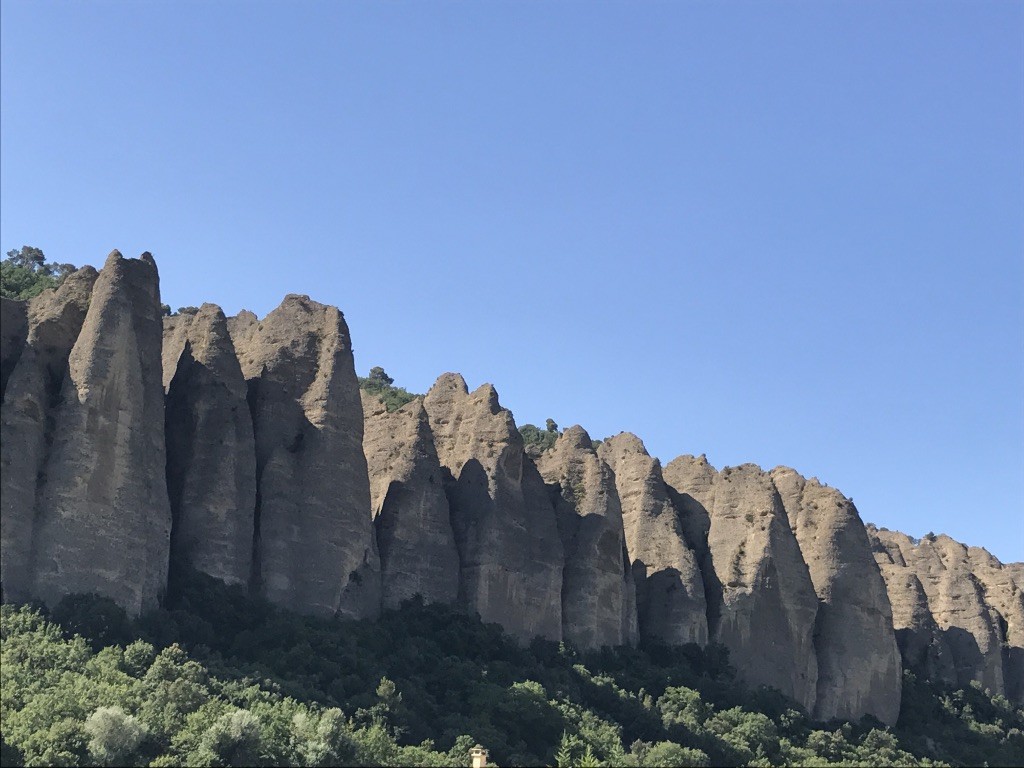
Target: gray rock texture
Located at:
point(53, 321)
point(956, 601)
point(417, 548)
point(13, 335)
point(598, 592)
point(505, 530)
point(762, 603)
point(103, 519)
point(315, 551)
point(671, 605)
point(1004, 597)
point(211, 453)
point(859, 669)
point(921, 643)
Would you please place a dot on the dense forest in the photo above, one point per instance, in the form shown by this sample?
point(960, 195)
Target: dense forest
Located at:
point(219, 678)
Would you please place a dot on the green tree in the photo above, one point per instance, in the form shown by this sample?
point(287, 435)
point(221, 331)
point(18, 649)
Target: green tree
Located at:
point(114, 737)
point(26, 273)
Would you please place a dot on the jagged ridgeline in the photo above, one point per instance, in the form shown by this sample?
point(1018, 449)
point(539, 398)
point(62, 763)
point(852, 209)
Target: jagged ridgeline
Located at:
point(135, 444)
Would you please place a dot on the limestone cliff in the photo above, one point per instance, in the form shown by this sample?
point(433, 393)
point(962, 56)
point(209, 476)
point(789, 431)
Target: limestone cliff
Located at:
point(671, 605)
point(103, 518)
point(314, 547)
point(510, 554)
point(13, 335)
point(761, 600)
point(46, 329)
point(410, 510)
point(211, 453)
point(598, 592)
point(858, 661)
point(974, 602)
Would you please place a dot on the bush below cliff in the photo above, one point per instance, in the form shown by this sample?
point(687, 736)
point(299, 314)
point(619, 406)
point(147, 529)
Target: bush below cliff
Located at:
point(218, 678)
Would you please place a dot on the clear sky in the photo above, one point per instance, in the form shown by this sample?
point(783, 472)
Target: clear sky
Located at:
point(785, 233)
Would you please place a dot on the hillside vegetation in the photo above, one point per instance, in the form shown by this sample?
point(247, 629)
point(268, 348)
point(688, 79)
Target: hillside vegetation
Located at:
point(218, 678)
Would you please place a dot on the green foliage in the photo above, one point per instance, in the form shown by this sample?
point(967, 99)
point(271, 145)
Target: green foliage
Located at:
point(26, 273)
point(535, 440)
point(380, 384)
point(219, 678)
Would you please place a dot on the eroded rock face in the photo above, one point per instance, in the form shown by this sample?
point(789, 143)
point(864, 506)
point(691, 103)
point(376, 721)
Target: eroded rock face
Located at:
point(762, 603)
point(859, 669)
point(1004, 596)
point(409, 506)
point(52, 322)
point(13, 334)
point(104, 520)
point(211, 453)
point(922, 646)
point(598, 592)
point(956, 602)
point(509, 550)
point(671, 605)
point(314, 551)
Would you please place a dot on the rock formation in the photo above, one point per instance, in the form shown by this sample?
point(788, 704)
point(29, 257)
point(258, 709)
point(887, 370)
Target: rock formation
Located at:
point(510, 554)
point(410, 510)
point(671, 606)
point(598, 592)
point(314, 544)
point(52, 322)
point(858, 661)
point(921, 643)
point(761, 601)
point(211, 454)
point(13, 334)
point(103, 519)
point(244, 449)
point(956, 602)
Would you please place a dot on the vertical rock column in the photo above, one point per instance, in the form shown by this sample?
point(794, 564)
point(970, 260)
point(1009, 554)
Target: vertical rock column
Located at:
point(409, 506)
point(51, 327)
point(510, 555)
point(922, 647)
point(211, 454)
point(763, 604)
point(314, 549)
point(671, 605)
point(1004, 597)
point(598, 593)
point(859, 669)
point(104, 518)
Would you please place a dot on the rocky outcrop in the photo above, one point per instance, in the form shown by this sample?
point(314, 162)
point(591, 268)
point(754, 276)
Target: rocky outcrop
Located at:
point(13, 334)
point(761, 601)
point(956, 600)
point(922, 646)
point(314, 544)
point(671, 605)
point(598, 592)
point(409, 507)
point(859, 670)
point(242, 327)
point(103, 518)
point(510, 554)
point(211, 453)
point(52, 322)
point(1005, 600)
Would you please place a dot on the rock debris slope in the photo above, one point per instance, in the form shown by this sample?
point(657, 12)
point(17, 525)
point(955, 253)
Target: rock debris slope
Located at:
point(134, 445)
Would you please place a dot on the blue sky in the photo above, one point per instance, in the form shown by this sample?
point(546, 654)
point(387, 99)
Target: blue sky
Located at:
point(785, 233)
